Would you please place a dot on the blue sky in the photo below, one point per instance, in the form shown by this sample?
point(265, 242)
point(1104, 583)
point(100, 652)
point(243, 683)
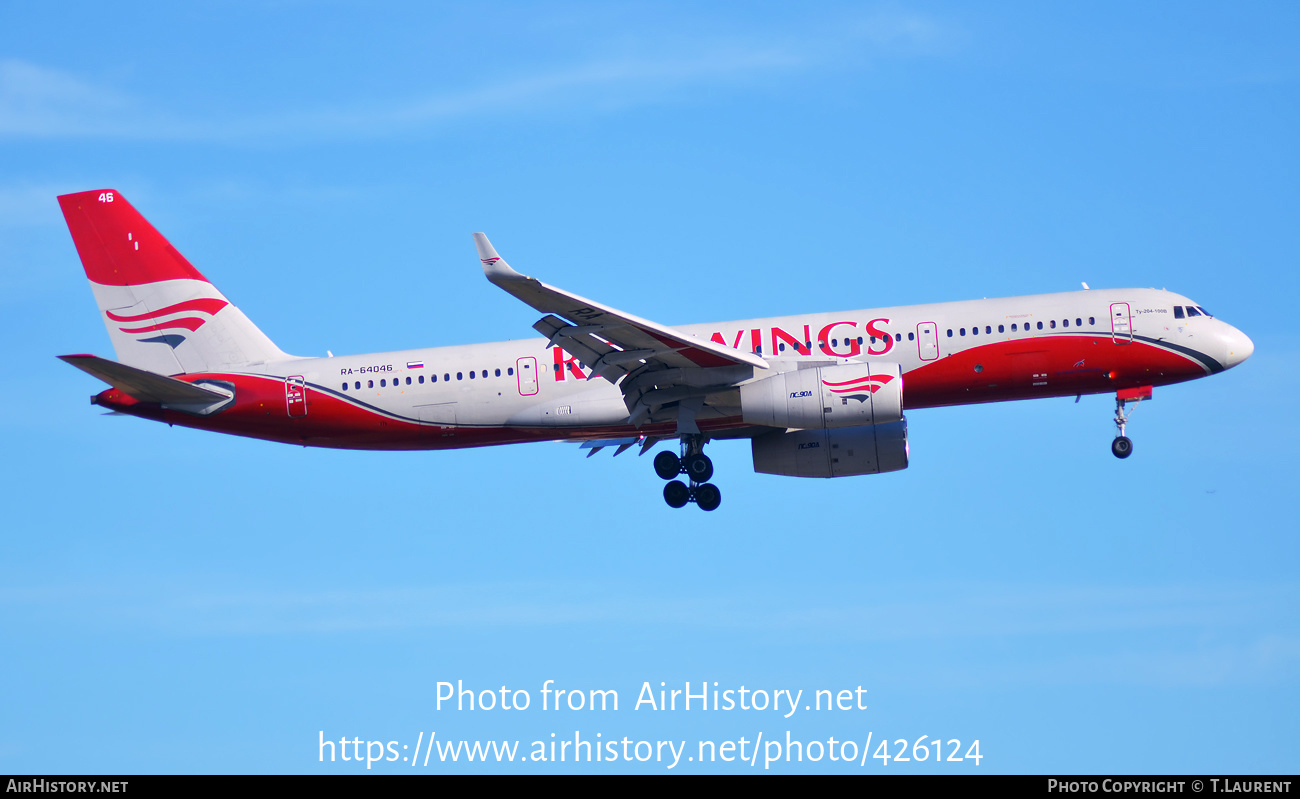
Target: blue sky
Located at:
point(176, 601)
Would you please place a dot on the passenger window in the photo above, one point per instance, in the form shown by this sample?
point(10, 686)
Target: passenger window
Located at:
point(345, 386)
point(962, 331)
point(859, 341)
point(433, 378)
point(1002, 328)
point(1092, 320)
point(461, 375)
point(898, 337)
point(975, 331)
point(1065, 323)
point(485, 373)
point(383, 383)
point(988, 328)
point(835, 342)
point(511, 371)
point(370, 384)
point(1040, 325)
point(357, 386)
point(1052, 324)
point(1013, 327)
point(446, 377)
point(471, 375)
point(498, 373)
point(1191, 311)
point(781, 346)
point(873, 339)
point(911, 336)
point(950, 332)
point(1078, 323)
point(421, 379)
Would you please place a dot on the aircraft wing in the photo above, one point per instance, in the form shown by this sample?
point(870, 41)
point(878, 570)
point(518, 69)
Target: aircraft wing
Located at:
point(663, 373)
point(612, 342)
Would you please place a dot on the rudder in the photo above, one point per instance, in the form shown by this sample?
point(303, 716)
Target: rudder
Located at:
point(162, 315)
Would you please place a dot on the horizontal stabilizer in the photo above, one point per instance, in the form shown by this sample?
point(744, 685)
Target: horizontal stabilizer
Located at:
point(144, 385)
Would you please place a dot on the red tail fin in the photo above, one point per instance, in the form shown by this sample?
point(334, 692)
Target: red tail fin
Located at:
point(161, 314)
point(118, 246)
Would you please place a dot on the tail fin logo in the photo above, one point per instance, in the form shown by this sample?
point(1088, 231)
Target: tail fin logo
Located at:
point(189, 315)
point(489, 261)
point(860, 388)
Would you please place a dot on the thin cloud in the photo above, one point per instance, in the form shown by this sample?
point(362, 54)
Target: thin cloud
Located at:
point(961, 613)
point(1263, 659)
point(1089, 635)
point(41, 102)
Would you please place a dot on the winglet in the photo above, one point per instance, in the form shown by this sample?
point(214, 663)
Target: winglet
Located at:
point(493, 266)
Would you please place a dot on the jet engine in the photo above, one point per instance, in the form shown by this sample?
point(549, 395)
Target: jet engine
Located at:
point(826, 396)
point(846, 420)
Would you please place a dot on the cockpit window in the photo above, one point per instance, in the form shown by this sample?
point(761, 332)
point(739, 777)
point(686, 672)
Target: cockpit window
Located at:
point(1178, 312)
point(1207, 313)
point(1191, 311)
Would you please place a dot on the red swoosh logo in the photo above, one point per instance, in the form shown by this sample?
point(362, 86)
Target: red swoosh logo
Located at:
point(208, 306)
point(190, 323)
point(881, 379)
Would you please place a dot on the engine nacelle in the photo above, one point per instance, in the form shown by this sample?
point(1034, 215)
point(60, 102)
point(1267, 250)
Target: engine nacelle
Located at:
point(869, 449)
point(826, 397)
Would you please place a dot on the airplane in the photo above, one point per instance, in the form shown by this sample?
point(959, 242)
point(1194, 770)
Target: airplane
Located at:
point(817, 395)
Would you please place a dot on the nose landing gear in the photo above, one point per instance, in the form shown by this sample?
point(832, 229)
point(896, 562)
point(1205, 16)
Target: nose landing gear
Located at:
point(1122, 446)
point(695, 465)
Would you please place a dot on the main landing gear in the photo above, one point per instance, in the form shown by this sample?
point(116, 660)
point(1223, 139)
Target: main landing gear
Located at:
point(695, 465)
point(1122, 446)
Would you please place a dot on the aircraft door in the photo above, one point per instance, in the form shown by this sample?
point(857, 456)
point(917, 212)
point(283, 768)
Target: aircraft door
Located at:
point(295, 396)
point(1121, 323)
point(526, 371)
point(927, 341)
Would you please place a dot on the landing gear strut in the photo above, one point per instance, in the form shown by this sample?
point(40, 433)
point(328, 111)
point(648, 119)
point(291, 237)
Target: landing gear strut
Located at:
point(1122, 446)
point(696, 466)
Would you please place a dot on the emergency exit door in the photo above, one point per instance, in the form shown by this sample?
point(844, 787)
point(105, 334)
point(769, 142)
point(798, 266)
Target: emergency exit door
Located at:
point(295, 396)
point(927, 341)
point(526, 371)
point(1121, 323)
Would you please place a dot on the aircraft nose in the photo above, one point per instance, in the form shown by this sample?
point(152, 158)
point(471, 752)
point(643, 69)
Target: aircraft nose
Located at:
point(1237, 346)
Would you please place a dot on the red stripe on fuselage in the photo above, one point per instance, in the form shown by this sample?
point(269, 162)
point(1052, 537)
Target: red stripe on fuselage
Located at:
point(1010, 369)
point(333, 421)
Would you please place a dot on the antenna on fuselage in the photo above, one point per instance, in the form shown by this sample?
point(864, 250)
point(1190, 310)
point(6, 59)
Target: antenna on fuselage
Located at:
point(1085, 286)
